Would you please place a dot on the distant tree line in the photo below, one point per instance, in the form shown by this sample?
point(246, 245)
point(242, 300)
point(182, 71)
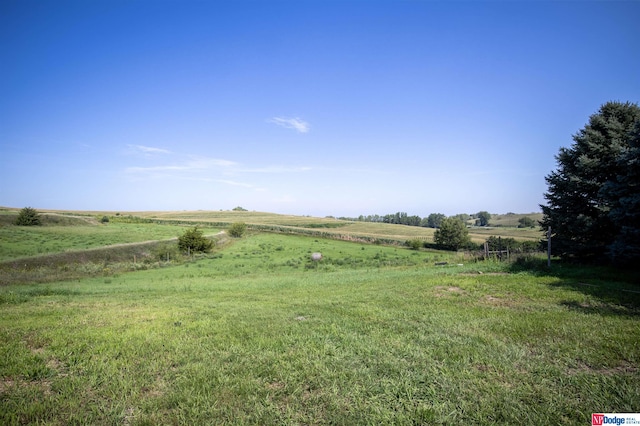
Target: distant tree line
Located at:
point(434, 220)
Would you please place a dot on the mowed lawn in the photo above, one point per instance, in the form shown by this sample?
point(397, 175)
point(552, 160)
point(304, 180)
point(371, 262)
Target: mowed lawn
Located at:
point(259, 334)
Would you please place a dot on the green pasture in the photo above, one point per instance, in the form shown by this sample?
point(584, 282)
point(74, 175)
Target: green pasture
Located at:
point(511, 219)
point(258, 333)
point(21, 241)
point(480, 234)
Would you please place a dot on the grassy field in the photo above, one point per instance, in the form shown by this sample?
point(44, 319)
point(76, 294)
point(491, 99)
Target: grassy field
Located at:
point(16, 242)
point(62, 233)
point(257, 333)
point(502, 225)
point(511, 219)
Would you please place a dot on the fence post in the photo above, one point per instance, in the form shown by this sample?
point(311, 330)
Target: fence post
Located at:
point(549, 247)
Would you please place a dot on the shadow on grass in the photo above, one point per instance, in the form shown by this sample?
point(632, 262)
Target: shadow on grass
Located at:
point(606, 309)
point(617, 291)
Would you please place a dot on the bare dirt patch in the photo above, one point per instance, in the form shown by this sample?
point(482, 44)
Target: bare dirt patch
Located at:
point(442, 291)
point(273, 386)
point(622, 368)
point(503, 302)
point(7, 384)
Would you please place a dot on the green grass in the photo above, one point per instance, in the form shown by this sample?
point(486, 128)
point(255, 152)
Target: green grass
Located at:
point(259, 334)
point(511, 220)
point(480, 234)
point(327, 227)
point(26, 241)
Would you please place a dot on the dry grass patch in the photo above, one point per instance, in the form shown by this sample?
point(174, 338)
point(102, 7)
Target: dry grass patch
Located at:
point(506, 301)
point(442, 291)
point(624, 367)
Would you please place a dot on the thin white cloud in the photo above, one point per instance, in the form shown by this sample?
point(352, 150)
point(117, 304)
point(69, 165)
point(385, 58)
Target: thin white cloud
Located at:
point(214, 164)
point(234, 183)
point(194, 164)
point(294, 123)
point(208, 163)
point(208, 169)
point(275, 169)
point(149, 149)
point(155, 169)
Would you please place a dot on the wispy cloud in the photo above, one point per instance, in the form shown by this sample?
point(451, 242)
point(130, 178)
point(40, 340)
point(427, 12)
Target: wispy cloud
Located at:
point(155, 169)
point(207, 164)
point(149, 149)
point(294, 123)
point(209, 169)
point(197, 162)
point(234, 183)
point(194, 164)
point(275, 169)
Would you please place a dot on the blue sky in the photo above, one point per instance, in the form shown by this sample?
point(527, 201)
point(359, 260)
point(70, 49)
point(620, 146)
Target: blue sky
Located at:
point(302, 107)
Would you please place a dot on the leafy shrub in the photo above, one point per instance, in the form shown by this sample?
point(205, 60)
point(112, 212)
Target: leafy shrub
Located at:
point(105, 219)
point(452, 234)
point(526, 222)
point(28, 217)
point(237, 229)
point(193, 241)
point(414, 244)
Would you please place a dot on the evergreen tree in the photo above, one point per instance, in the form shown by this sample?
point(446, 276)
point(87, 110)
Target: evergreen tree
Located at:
point(592, 189)
point(193, 241)
point(624, 193)
point(28, 217)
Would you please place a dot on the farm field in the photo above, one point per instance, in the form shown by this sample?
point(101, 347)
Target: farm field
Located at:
point(257, 333)
point(503, 225)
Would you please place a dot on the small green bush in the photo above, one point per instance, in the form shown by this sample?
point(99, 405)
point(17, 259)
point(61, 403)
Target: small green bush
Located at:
point(105, 219)
point(526, 222)
point(237, 229)
point(193, 241)
point(414, 244)
point(28, 217)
